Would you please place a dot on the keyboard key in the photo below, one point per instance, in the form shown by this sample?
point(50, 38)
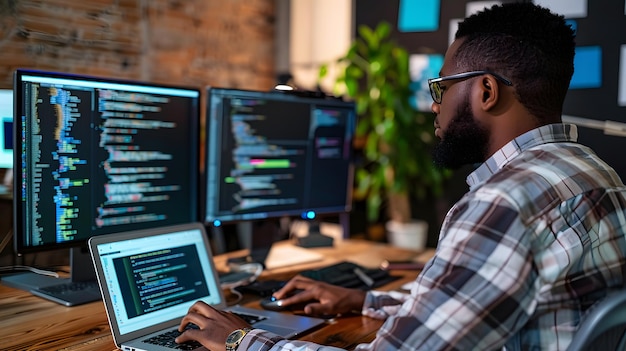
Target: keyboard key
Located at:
point(167, 340)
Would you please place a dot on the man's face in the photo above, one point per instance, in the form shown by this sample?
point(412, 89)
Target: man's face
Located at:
point(464, 141)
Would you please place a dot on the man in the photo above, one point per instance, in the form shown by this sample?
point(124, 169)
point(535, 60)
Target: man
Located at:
point(539, 237)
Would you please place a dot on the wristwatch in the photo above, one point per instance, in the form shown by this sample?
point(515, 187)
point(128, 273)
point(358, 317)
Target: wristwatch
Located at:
point(234, 339)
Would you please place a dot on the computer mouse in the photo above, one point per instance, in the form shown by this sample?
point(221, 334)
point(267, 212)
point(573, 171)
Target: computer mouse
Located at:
point(273, 304)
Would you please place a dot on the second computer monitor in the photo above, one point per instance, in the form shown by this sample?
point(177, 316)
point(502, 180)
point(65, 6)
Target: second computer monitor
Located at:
point(271, 154)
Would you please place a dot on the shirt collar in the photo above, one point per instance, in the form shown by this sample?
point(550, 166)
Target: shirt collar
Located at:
point(550, 133)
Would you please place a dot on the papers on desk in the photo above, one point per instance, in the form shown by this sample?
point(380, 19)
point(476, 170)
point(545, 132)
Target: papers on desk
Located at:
point(289, 255)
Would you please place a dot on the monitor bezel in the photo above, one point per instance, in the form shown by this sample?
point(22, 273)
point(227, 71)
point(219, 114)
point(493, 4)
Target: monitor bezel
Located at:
point(19, 226)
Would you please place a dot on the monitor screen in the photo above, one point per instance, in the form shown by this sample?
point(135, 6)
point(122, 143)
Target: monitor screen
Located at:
point(99, 155)
point(273, 154)
point(6, 128)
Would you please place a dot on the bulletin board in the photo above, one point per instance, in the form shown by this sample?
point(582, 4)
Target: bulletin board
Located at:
point(597, 95)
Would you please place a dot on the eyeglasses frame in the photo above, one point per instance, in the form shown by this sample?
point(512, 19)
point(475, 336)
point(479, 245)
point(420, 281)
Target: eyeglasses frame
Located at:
point(463, 75)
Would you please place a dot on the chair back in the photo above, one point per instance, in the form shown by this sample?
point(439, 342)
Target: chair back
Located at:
point(604, 327)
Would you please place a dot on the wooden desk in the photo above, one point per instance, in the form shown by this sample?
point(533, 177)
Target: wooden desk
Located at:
point(28, 322)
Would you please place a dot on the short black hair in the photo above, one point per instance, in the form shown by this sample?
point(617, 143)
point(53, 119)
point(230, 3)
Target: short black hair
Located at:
point(526, 43)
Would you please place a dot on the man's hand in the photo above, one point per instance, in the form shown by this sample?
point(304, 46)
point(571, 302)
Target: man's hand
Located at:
point(214, 326)
point(326, 299)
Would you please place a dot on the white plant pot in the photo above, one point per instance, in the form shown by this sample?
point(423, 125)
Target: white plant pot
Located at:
point(411, 235)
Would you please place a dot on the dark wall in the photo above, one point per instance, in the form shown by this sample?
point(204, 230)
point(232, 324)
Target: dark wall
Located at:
point(604, 26)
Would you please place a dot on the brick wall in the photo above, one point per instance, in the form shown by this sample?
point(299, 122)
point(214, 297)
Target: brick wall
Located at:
point(226, 43)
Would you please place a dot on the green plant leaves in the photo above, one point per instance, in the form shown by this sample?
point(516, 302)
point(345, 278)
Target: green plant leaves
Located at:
point(396, 151)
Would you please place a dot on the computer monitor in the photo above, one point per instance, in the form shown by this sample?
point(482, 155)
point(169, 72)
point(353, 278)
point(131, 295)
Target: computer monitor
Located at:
point(98, 155)
point(6, 128)
point(274, 154)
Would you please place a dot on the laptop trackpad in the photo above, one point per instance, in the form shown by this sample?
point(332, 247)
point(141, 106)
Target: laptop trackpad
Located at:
point(276, 329)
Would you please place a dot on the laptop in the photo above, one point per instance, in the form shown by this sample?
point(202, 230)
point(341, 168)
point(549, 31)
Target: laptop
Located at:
point(150, 278)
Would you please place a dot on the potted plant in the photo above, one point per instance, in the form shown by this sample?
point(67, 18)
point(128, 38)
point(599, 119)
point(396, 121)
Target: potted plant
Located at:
point(393, 138)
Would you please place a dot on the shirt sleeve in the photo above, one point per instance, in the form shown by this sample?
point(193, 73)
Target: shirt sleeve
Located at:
point(380, 305)
point(262, 340)
point(476, 291)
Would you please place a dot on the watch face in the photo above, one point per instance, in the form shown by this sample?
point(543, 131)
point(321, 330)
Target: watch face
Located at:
point(235, 336)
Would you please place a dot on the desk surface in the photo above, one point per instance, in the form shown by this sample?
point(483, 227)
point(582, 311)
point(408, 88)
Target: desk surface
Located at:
point(32, 323)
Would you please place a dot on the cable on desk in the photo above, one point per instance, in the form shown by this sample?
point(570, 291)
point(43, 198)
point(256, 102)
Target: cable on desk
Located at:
point(254, 269)
point(237, 294)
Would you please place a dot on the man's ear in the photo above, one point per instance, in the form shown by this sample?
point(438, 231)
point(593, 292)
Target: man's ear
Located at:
point(489, 92)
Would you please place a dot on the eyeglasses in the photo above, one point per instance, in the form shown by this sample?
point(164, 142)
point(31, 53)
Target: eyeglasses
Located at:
point(436, 91)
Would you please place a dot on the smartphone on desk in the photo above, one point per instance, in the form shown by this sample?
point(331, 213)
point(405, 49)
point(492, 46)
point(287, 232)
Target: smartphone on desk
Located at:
point(401, 265)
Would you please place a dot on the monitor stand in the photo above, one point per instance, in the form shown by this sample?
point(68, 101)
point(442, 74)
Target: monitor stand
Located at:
point(81, 287)
point(314, 237)
point(258, 237)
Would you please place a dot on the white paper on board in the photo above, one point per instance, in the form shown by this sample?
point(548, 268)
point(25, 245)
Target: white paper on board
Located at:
point(621, 88)
point(453, 25)
point(567, 8)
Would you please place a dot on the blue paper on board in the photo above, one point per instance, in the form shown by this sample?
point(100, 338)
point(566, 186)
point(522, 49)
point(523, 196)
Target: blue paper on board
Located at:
point(587, 68)
point(418, 15)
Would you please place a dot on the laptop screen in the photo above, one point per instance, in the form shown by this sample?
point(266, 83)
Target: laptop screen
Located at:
point(157, 277)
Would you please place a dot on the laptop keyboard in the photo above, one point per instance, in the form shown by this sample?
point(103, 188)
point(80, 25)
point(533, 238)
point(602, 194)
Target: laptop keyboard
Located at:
point(167, 339)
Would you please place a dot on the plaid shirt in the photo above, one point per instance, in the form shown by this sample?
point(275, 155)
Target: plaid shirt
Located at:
point(538, 239)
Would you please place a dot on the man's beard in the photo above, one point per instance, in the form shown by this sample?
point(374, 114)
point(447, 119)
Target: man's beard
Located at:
point(464, 142)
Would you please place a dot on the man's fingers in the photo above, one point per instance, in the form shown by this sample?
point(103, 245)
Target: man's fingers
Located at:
point(202, 308)
point(184, 337)
point(299, 283)
point(318, 309)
